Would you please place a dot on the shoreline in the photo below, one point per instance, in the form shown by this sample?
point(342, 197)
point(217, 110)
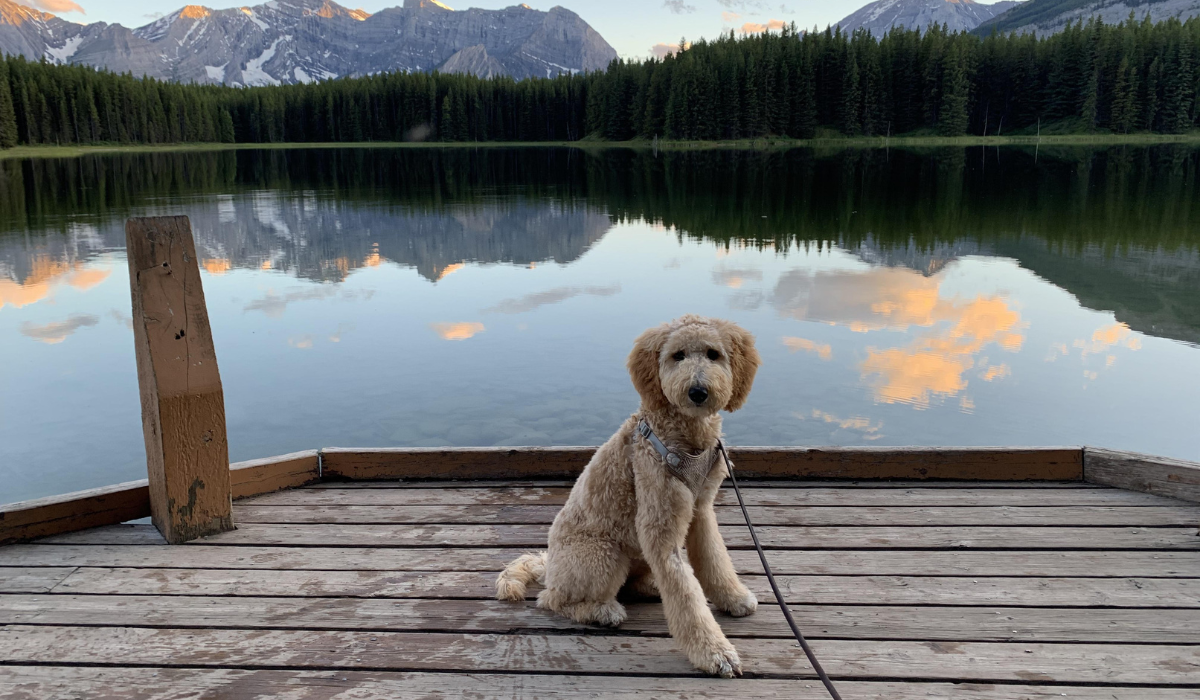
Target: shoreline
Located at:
point(760, 144)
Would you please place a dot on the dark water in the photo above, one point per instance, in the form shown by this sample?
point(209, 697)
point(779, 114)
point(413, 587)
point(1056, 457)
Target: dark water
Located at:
point(375, 297)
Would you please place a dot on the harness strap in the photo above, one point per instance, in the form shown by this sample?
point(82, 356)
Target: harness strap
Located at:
point(671, 457)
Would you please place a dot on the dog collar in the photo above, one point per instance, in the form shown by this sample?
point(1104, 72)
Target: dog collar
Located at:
point(671, 457)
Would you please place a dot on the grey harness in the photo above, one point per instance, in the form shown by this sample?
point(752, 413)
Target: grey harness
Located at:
point(692, 470)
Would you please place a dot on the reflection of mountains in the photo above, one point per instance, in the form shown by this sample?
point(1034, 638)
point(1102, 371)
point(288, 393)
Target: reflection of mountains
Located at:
point(323, 239)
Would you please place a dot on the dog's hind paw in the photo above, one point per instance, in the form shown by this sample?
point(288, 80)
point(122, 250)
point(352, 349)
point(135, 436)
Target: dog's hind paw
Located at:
point(746, 605)
point(722, 662)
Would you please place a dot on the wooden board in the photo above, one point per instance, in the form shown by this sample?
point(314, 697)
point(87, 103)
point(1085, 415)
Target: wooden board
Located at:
point(817, 590)
point(828, 562)
point(183, 405)
point(758, 496)
point(596, 654)
point(259, 476)
point(773, 536)
point(74, 511)
point(1004, 516)
point(62, 682)
point(21, 579)
point(871, 484)
point(993, 463)
point(1159, 475)
point(1144, 625)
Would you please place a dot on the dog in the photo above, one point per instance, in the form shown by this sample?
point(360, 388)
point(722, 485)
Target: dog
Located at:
point(629, 516)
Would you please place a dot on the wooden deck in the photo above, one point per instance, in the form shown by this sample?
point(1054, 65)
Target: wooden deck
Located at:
point(999, 590)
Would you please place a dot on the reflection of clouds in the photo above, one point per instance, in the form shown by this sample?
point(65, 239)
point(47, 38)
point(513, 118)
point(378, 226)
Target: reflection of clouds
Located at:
point(303, 342)
point(823, 351)
point(217, 266)
point(342, 328)
point(1104, 341)
point(734, 279)
point(866, 429)
point(274, 305)
point(457, 331)
point(994, 372)
point(746, 300)
point(121, 318)
point(447, 270)
point(56, 332)
point(46, 273)
point(529, 302)
point(896, 298)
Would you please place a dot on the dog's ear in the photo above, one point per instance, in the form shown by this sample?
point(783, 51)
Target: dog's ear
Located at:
point(743, 362)
point(643, 366)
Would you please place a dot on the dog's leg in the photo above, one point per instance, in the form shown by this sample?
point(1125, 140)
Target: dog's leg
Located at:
point(662, 520)
point(582, 581)
point(710, 560)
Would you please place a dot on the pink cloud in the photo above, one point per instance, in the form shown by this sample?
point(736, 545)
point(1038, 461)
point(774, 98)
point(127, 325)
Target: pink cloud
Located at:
point(757, 28)
point(664, 50)
point(730, 17)
point(57, 6)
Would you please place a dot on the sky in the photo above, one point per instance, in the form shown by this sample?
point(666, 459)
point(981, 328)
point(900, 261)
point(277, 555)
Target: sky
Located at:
point(633, 27)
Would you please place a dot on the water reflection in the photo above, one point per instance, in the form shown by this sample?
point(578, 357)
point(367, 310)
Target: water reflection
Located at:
point(425, 297)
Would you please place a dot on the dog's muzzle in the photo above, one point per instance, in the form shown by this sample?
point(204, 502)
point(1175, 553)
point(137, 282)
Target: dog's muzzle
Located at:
point(698, 395)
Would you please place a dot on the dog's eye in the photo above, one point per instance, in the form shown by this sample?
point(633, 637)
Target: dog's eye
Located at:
point(714, 355)
point(678, 357)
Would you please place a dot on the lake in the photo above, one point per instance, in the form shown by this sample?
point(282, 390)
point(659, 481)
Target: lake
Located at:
point(422, 297)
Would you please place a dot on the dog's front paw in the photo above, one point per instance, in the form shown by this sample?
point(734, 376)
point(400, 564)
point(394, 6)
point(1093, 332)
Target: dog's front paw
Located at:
point(746, 605)
point(723, 662)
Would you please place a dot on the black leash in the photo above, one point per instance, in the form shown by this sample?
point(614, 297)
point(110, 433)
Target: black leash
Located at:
point(812, 658)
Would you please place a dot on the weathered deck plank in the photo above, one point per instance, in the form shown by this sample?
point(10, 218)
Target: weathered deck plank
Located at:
point(1113, 664)
point(1059, 564)
point(1004, 516)
point(65, 682)
point(758, 495)
point(820, 590)
point(1144, 625)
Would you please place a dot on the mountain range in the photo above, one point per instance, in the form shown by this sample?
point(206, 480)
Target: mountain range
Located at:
point(958, 15)
point(300, 41)
point(1041, 17)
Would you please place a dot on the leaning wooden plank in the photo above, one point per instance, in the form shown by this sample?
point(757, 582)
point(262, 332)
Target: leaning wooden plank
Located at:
point(1083, 516)
point(22, 579)
point(259, 476)
point(773, 536)
point(69, 512)
point(62, 682)
point(1129, 470)
point(595, 654)
point(183, 405)
point(768, 496)
point(817, 590)
point(1144, 625)
point(829, 562)
point(992, 463)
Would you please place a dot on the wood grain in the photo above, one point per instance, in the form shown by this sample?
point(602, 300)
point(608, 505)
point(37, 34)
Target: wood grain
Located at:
point(259, 476)
point(1083, 516)
point(1144, 625)
point(63, 682)
point(596, 654)
point(1129, 470)
point(829, 562)
point(183, 405)
point(991, 463)
point(69, 512)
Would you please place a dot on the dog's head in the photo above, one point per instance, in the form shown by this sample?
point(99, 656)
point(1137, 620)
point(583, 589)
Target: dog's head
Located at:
point(698, 365)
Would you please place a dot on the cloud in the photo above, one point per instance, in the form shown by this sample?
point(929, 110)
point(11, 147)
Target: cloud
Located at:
point(679, 7)
point(858, 424)
point(457, 331)
point(303, 342)
point(730, 17)
point(664, 50)
point(274, 305)
point(57, 6)
point(121, 318)
point(794, 344)
point(757, 28)
point(530, 302)
point(734, 279)
point(742, 4)
point(52, 333)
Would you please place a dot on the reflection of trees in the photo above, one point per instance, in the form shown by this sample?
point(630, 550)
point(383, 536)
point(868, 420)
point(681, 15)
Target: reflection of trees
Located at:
point(1117, 226)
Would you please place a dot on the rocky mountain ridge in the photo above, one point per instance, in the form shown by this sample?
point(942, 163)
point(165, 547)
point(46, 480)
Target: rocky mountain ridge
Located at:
point(301, 41)
point(958, 15)
point(1044, 17)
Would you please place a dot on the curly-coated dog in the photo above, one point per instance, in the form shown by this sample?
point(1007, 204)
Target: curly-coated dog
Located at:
point(631, 512)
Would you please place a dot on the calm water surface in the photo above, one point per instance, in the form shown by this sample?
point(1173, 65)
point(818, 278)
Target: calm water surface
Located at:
point(426, 297)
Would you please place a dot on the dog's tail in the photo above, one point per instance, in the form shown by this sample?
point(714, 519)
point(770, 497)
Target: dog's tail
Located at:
point(522, 571)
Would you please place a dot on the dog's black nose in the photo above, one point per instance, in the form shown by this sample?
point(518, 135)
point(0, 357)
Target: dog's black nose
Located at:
point(698, 395)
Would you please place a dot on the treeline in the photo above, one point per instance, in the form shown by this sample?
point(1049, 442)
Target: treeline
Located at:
point(1130, 77)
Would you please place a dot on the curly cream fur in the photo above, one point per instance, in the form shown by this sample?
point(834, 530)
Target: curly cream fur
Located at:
point(628, 520)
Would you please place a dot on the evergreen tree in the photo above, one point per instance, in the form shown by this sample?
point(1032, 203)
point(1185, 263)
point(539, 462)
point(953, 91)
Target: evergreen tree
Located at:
point(8, 115)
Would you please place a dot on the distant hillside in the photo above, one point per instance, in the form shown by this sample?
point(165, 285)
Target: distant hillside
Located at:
point(299, 41)
point(957, 15)
point(1044, 17)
